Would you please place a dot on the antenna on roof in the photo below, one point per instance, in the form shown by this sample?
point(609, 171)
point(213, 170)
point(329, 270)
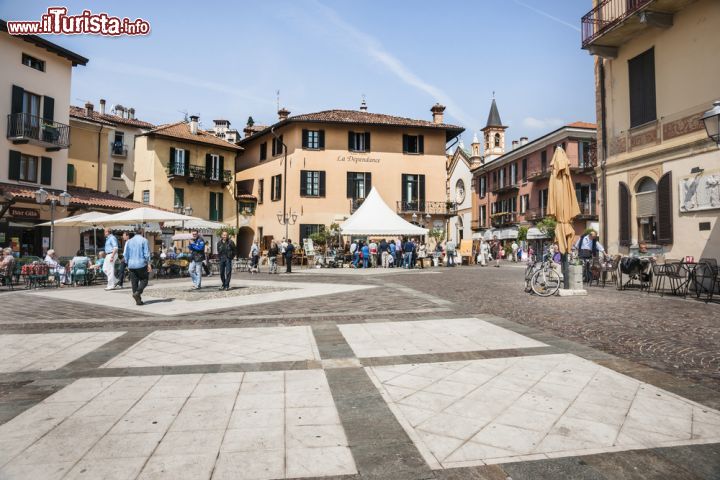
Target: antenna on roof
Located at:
point(185, 115)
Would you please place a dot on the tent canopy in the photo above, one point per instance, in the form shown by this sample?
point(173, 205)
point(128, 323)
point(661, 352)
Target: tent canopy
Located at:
point(81, 220)
point(374, 217)
point(138, 216)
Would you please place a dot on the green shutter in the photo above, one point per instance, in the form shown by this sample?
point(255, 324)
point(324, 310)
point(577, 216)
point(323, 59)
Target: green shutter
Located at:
point(46, 171)
point(14, 170)
point(171, 163)
point(187, 162)
point(16, 105)
point(367, 141)
point(322, 183)
point(303, 182)
point(70, 173)
point(219, 197)
point(304, 138)
point(213, 210)
point(321, 139)
point(49, 108)
point(405, 144)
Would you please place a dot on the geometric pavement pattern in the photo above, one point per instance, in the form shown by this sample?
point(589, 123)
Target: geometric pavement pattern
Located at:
point(385, 339)
point(478, 412)
point(47, 351)
point(220, 345)
point(279, 424)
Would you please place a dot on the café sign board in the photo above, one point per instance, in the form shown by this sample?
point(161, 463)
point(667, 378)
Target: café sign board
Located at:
point(29, 213)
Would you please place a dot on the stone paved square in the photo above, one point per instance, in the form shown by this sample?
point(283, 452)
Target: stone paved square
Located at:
point(48, 351)
point(221, 345)
point(525, 408)
point(279, 424)
point(430, 336)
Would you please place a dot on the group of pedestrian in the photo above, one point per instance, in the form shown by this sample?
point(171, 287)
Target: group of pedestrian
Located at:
point(393, 253)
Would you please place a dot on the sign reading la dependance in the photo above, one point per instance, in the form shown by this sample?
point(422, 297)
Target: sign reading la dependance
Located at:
point(27, 213)
point(357, 159)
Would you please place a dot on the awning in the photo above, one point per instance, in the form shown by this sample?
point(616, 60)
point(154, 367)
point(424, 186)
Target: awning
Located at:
point(149, 228)
point(508, 233)
point(534, 233)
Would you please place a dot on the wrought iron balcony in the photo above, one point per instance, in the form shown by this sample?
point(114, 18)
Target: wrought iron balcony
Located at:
point(197, 172)
point(118, 150)
point(507, 187)
point(538, 174)
point(606, 15)
point(588, 211)
point(35, 130)
point(535, 214)
point(503, 219)
point(589, 160)
point(432, 208)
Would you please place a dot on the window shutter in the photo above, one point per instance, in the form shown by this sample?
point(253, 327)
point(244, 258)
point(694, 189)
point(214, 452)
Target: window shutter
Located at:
point(665, 209)
point(221, 173)
point(368, 183)
point(624, 215)
point(367, 141)
point(172, 159)
point(421, 189)
point(303, 182)
point(208, 165)
point(219, 198)
point(212, 213)
point(322, 183)
point(405, 144)
point(280, 145)
point(46, 170)
point(421, 143)
point(641, 70)
point(49, 109)
point(351, 145)
point(14, 170)
point(321, 139)
point(187, 162)
point(350, 185)
point(17, 99)
point(304, 138)
point(274, 143)
point(403, 183)
point(70, 173)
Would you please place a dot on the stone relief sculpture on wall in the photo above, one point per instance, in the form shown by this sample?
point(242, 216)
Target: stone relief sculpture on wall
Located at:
point(700, 191)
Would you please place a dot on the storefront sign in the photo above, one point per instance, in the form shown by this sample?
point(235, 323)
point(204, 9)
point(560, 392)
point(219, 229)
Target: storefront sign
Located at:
point(19, 212)
point(357, 159)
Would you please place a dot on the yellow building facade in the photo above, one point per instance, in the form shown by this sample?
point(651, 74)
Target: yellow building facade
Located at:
point(89, 150)
point(334, 158)
point(179, 166)
point(656, 74)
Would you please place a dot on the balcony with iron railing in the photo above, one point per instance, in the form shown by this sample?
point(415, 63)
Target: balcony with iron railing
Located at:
point(588, 211)
point(503, 219)
point(119, 150)
point(35, 130)
point(535, 214)
point(538, 174)
point(505, 187)
point(432, 208)
point(198, 173)
point(611, 23)
point(355, 204)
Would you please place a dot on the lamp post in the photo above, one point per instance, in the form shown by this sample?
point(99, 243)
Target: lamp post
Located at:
point(711, 119)
point(41, 196)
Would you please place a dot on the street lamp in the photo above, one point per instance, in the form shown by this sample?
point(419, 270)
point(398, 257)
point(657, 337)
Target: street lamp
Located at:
point(41, 196)
point(711, 119)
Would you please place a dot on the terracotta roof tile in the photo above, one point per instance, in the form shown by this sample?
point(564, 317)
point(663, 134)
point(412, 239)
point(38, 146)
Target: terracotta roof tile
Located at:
point(181, 131)
point(582, 125)
point(107, 119)
point(357, 117)
point(85, 197)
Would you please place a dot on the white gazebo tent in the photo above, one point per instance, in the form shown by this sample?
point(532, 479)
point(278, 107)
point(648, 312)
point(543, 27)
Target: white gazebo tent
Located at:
point(375, 218)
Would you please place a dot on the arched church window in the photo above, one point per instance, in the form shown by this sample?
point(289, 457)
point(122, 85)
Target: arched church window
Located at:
point(497, 139)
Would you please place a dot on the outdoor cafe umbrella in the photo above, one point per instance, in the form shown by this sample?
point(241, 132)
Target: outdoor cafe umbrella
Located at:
point(141, 216)
point(563, 205)
point(82, 220)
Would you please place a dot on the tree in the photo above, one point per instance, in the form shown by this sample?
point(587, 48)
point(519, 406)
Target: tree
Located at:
point(547, 226)
point(250, 122)
point(522, 233)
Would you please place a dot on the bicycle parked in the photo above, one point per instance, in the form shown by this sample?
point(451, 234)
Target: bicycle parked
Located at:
point(541, 278)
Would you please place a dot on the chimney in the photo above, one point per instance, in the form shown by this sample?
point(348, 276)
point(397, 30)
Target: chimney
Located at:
point(363, 105)
point(119, 110)
point(523, 141)
point(102, 106)
point(194, 124)
point(515, 144)
point(88, 109)
point(283, 113)
point(131, 113)
point(437, 111)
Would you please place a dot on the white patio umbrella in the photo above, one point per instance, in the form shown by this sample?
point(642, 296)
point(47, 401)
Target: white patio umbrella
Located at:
point(82, 220)
point(141, 215)
point(198, 224)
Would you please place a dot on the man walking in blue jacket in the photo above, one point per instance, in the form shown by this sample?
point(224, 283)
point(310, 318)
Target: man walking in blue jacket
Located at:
point(197, 256)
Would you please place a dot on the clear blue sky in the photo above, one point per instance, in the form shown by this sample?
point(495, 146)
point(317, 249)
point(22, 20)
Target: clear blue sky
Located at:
point(226, 60)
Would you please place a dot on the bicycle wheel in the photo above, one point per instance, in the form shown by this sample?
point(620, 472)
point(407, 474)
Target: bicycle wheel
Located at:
point(545, 282)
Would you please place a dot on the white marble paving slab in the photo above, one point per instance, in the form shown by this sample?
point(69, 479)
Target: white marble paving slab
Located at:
point(48, 351)
point(386, 339)
point(219, 345)
point(163, 306)
point(189, 432)
point(527, 408)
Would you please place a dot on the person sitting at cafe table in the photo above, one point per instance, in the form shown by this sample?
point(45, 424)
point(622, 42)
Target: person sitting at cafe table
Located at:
point(7, 264)
point(51, 260)
point(99, 261)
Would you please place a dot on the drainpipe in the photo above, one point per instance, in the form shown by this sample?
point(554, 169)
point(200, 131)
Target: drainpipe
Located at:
point(99, 174)
point(603, 162)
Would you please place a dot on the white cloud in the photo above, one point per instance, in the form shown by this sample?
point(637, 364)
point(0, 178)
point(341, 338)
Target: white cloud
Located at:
point(542, 123)
point(375, 50)
point(545, 14)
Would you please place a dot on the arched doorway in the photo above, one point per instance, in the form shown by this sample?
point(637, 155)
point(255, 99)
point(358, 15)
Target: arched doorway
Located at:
point(244, 241)
point(646, 209)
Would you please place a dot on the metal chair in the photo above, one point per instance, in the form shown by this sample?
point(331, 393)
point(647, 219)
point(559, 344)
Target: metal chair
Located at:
point(678, 274)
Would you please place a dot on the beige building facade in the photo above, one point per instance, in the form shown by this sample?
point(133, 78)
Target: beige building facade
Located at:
point(180, 166)
point(334, 159)
point(656, 73)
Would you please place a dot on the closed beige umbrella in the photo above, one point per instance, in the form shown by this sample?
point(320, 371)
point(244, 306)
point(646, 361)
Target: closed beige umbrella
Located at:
point(563, 205)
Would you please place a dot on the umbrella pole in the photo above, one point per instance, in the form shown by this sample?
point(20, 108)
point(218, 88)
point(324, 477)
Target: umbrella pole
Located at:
point(566, 271)
point(95, 239)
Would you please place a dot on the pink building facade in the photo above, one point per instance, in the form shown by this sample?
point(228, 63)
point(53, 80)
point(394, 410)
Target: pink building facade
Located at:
point(511, 190)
